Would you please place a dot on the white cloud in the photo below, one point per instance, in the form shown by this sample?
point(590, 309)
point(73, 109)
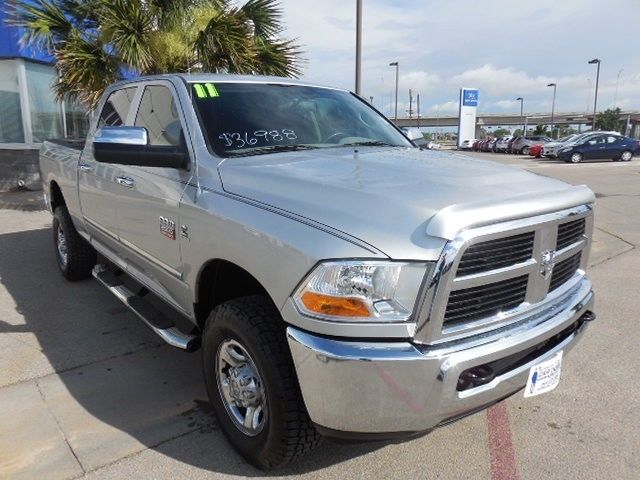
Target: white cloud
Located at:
point(420, 81)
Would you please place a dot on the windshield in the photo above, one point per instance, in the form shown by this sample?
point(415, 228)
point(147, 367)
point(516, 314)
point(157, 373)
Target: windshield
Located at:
point(242, 119)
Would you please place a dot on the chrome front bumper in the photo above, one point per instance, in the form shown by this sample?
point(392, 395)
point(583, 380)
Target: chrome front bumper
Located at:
point(393, 388)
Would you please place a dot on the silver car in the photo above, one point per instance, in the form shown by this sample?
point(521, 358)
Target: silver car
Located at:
point(522, 144)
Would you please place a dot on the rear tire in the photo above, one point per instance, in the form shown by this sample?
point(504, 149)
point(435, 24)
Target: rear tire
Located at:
point(283, 431)
point(626, 156)
point(525, 151)
point(76, 257)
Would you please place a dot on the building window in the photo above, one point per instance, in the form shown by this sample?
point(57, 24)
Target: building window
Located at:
point(11, 130)
point(46, 115)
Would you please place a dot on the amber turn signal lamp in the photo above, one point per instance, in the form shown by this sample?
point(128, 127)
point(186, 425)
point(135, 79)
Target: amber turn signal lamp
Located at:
point(337, 306)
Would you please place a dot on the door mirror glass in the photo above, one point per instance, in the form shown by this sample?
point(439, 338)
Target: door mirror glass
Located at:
point(130, 146)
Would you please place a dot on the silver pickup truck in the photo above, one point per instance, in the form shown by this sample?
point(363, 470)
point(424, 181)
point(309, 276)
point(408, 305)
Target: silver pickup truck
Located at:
point(341, 281)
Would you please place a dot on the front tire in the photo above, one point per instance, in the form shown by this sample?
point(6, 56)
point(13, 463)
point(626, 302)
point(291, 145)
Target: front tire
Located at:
point(252, 383)
point(575, 157)
point(76, 257)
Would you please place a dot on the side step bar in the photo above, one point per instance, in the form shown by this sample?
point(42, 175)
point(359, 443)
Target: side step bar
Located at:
point(162, 325)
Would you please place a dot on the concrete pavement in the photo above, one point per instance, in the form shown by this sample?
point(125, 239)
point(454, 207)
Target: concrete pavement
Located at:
point(86, 390)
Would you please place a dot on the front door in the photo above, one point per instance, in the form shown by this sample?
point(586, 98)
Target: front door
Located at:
point(148, 200)
point(97, 182)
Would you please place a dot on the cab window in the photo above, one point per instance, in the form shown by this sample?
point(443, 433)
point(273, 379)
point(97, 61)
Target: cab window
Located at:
point(159, 115)
point(116, 108)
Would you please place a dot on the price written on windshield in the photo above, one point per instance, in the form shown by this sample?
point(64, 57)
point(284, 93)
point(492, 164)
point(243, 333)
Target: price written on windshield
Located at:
point(250, 139)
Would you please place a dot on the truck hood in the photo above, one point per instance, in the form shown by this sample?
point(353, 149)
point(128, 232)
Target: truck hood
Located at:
point(404, 202)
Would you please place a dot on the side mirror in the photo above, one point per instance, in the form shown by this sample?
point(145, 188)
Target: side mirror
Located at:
point(130, 146)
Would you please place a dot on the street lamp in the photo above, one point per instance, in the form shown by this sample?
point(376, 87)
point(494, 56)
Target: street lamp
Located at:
point(358, 46)
point(522, 114)
point(371, 100)
point(595, 99)
point(553, 107)
point(395, 64)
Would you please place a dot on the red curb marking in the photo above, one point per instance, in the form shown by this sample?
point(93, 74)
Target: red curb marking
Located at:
point(501, 452)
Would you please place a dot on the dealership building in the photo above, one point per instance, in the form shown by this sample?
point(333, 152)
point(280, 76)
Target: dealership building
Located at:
point(29, 112)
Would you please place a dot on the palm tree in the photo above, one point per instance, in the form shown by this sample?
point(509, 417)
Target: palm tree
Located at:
point(97, 42)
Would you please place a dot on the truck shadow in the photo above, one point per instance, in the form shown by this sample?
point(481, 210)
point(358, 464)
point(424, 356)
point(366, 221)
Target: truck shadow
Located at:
point(118, 390)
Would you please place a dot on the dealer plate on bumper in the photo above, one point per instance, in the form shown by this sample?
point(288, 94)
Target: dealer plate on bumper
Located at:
point(544, 376)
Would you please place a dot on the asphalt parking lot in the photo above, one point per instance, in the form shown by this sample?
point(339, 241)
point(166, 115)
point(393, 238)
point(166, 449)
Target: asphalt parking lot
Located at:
point(86, 390)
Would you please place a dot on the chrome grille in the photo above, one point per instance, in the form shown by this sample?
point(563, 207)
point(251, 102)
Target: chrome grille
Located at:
point(494, 254)
point(569, 233)
point(564, 270)
point(494, 275)
point(485, 300)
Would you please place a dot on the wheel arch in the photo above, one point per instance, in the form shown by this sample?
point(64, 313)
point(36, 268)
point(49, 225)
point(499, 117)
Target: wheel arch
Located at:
point(56, 198)
point(220, 280)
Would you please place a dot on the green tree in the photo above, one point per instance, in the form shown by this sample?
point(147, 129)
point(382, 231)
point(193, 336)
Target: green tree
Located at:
point(97, 42)
point(501, 132)
point(540, 129)
point(610, 120)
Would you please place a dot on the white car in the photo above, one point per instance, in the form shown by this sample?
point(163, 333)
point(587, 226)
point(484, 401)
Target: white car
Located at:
point(467, 144)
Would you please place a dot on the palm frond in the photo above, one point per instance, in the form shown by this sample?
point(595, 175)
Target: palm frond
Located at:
point(225, 45)
point(126, 25)
point(85, 68)
point(44, 22)
point(281, 58)
point(265, 15)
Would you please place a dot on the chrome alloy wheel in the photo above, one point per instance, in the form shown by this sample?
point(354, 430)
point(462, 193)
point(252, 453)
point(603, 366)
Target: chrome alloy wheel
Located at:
point(61, 243)
point(241, 387)
point(576, 157)
point(626, 156)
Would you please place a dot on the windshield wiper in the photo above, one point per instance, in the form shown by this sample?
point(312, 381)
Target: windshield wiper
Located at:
point(272, 149)
point(372, 143)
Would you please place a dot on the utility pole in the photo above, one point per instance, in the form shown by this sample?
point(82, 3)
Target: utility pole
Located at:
point(396, 64)
point(553, 107)
point(410, 106)
point(418, 101)
point(615, 97)
point(371, 100)
point(595, 99)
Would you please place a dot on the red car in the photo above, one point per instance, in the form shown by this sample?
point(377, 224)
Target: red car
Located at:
point(536, 150)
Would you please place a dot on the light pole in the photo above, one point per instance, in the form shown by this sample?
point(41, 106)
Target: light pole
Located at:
point(410, 106)
point(418, 102)
point(522, 114)
point(358, 46)
point(371, 100)
point(595, 99)
point(395, 64)
point(553, 106)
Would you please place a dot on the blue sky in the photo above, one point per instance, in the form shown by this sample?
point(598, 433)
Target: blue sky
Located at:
point(506, 49)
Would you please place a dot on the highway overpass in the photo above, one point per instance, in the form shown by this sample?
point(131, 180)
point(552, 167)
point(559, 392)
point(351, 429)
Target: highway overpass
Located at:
point(515, 120)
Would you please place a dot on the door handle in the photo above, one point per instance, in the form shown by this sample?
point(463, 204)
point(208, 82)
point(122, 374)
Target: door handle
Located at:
point(126, 182)
point(85, 167)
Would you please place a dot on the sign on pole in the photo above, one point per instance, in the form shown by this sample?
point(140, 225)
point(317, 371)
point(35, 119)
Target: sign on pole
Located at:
point(467, 114)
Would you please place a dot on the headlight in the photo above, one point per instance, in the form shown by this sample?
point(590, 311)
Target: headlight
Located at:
point(368, 291)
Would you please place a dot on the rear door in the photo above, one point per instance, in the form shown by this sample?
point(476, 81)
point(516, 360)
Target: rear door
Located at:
point(148, 201)
point(97, 185)
point(614, 146)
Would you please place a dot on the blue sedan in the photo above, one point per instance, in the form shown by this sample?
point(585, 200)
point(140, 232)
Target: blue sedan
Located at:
point(614, 147)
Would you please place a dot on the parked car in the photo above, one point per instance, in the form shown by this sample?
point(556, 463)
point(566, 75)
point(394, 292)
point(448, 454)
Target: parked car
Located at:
point(339, 280)
point(491, 145)
point(598, 147)
point(523, 144)
point(474, 145)
point(551, 149)
point(536, 150)
point(502, 144)
point(467, 144)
